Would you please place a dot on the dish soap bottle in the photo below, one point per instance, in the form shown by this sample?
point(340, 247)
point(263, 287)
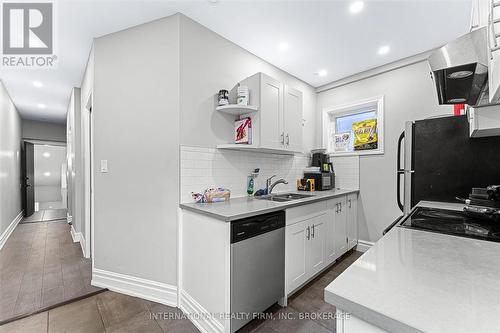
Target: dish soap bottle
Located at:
point(251, 181)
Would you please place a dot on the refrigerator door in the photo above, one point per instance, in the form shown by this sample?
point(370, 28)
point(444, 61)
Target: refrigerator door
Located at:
point(447, 163)
point(405, 168)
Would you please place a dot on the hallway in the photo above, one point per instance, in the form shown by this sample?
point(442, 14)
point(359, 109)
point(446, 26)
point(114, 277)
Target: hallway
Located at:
point(40, 266)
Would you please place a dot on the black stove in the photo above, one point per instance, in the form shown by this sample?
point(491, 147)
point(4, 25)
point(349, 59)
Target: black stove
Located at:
point(452, 222)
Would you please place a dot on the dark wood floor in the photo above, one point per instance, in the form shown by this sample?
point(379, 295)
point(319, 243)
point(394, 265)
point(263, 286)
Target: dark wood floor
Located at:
point(112, 312)
point(40, 266)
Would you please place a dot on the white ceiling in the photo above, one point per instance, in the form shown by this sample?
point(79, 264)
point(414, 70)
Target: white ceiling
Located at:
point(320, 35)
point(48, 162)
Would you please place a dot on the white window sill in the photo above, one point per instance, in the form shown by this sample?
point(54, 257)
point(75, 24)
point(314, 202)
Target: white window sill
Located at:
point(356, 153)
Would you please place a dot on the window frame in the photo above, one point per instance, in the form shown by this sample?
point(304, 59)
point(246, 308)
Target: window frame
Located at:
point(330, 115)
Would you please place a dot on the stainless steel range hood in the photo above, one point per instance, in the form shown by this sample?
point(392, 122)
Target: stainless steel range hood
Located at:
point(460, 69)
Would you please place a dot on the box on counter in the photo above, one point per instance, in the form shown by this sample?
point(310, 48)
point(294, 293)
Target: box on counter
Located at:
point(243, 131)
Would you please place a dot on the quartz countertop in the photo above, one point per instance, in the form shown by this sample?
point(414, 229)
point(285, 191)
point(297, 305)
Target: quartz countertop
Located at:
point(238, 208)
point(418, 281)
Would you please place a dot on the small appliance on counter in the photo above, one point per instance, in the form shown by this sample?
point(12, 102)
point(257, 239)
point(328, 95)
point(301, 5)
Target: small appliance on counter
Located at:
point(483, 203)
point(320, 172)
point(322, 160)
point(322, 181)
point(305, 185)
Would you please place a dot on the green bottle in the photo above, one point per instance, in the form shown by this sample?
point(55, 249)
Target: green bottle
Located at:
point(250, 184)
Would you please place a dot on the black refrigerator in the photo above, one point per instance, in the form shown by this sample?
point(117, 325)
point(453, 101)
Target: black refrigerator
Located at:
point(438, 161)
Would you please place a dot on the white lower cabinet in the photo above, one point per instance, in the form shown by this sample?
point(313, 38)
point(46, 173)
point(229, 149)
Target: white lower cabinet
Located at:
point(305, 249)
point(316, 235)
point(352, 220)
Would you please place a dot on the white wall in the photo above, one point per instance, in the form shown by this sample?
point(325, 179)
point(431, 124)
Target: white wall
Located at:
point(44, 131)
point(10, 160)
point(136, 129)
point(75, 161)
point(48, 188)
point(210, 63)
point(409, 95)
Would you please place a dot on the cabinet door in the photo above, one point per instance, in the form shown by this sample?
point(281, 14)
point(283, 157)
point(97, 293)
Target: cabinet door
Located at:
point(296, 244)
point(340, 227)
point(271, 113)
point(352, 220)
point(292, 119)
point(330, 249)
point(316, 246)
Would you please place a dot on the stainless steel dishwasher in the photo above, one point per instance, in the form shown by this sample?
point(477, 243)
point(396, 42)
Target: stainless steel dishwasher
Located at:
point(257, 265)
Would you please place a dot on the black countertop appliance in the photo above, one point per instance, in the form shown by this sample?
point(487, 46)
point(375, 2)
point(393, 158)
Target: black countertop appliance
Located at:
point(322, 160)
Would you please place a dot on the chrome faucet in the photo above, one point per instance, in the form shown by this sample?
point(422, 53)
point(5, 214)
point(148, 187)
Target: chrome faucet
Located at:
point(270, 185)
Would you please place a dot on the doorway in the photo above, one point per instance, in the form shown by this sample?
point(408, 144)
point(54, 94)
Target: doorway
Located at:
point(45, 187)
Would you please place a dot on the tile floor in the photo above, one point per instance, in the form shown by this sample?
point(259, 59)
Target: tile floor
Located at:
point(112, 312)
point(45, 215)
point(40, 266)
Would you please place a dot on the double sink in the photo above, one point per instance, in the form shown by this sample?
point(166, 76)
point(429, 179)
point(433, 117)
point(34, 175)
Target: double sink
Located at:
point(284, 197)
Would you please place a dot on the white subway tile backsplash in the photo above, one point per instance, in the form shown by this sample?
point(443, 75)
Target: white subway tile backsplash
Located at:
point(346, 172)
point(202, 168)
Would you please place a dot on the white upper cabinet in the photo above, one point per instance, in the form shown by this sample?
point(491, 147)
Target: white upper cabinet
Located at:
point(292, 119)
point(277, 125)
point(271, 113)
point(486, 13)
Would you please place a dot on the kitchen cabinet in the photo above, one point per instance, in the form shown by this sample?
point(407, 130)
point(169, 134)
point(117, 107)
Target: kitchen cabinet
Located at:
point(292, 119)
point(277, 125)
point(305, 249)
point(352, 220)
point(340, 221)
point(486, 13)
point(484, 121)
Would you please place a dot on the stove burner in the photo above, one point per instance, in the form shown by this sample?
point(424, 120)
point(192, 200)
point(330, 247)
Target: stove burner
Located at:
point(453, 223)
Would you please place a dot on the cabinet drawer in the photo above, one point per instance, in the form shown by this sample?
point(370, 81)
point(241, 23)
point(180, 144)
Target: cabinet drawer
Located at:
point(304, 212)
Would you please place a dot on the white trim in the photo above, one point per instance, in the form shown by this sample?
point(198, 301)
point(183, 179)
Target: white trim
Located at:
point(83, 245)
point(364, 246)
point(133, 286)
point(352, 108)
point(201, 318)
point(6, 234)
point(377, 71)
point(76, 236)
point(88, 176)
point(179, 253)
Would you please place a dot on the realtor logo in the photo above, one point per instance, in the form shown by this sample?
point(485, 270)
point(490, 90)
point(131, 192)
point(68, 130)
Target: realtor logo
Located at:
point(28, 34)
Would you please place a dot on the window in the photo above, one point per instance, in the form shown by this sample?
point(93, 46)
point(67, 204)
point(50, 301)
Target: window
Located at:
point(355, 129)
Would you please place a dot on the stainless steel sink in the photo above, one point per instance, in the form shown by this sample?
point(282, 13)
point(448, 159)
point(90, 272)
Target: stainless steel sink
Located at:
point(284, 197)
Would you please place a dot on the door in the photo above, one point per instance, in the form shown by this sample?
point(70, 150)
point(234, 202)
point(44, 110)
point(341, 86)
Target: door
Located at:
point(292, 119)
point(28, 178)
point(296, 243)
point(316, 246)
point(352, 220)
point(271, 113)
point(340, 227)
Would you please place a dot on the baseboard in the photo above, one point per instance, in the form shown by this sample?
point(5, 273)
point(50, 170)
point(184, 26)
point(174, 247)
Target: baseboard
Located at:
point(201, 318)
point(364, 246)
point(129, 285)
point(76, 236)
point(6, 234)
point(69, 218)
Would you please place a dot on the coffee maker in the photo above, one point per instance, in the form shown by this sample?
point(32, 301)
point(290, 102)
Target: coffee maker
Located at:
point(322, 161)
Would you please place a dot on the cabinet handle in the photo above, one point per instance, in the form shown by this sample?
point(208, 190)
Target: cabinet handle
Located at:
point(287, 139)
point(283, 138)
point(340, 205)
point(337, 208)
point(350, 203)
point(312, 227)
point(308, 233)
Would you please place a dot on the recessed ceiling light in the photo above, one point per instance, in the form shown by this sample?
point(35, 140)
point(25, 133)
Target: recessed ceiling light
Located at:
point(384, 49)
point(356, 7)
point(42, 106)
point(46, 154)
point(213, 2)
point(284, 46)
point(322, 72)
point(47, 174)
point(38, 84)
